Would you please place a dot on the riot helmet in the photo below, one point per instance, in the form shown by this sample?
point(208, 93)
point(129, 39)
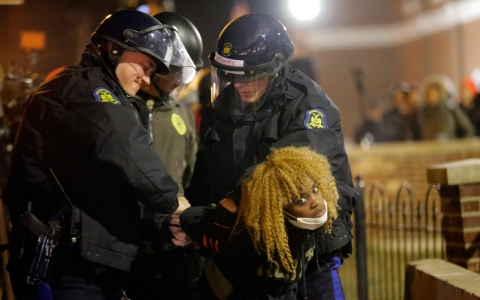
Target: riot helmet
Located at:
point(136, 31)
point(181, 70)
point(250, 50)
point(191, 38)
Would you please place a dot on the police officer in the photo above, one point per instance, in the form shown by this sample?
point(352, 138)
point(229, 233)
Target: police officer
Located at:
point(172, 123)
point(162, 268)
point(260, 103)
point(83, 162)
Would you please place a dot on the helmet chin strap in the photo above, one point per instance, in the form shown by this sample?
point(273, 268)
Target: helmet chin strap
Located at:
point(162, 97)
point(110, 57)
point(157, 87)
point(114, 56)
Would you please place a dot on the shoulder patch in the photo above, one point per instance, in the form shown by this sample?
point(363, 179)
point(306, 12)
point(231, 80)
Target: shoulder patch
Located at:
point(178, 124)
point(103, 95)
point(315, 118)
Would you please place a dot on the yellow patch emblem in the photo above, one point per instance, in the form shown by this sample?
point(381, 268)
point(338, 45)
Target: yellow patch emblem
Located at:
point(178, 124)
point(104, 95)
point(315, 118)
point(227, 49)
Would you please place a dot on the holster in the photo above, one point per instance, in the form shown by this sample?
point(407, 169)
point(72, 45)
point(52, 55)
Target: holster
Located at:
point(48, 237)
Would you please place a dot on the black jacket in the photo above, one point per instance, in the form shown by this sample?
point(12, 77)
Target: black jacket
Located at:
point(296, 112)
point(82, 126)
point(250, 274)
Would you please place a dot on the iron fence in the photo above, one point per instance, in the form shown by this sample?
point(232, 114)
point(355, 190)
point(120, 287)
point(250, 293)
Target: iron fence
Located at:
point(390, 232)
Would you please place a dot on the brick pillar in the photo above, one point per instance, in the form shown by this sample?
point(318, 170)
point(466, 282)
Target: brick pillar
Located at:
point(460, 198)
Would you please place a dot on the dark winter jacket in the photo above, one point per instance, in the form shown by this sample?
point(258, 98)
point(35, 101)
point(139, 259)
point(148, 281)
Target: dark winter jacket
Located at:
point(82, 126)
point(244, 274)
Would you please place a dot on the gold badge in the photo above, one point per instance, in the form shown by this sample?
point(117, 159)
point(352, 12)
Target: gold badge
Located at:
point(315, 118)
point(104, 95)
point(227, 49)
point(178, 124)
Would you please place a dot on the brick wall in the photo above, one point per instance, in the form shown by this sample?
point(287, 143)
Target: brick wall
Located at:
point(435, 279)
point(460, 196)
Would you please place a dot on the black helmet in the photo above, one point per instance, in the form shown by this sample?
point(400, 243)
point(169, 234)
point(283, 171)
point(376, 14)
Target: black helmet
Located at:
point(251, 46)
point(191, 38)
point(251, 51)
point(136, 31)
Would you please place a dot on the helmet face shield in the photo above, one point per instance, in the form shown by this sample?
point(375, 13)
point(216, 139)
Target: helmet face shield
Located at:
point(178, 75)
point(239, 96)
point(182, 68)
point(153, 41)
point(234, 70)
point(136, 31)
point(164, 40)
point(167, 83)
point(191, 38)
point(250, 52)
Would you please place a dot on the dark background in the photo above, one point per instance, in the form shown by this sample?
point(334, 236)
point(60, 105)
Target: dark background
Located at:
point(354, 27)
point(68, 23)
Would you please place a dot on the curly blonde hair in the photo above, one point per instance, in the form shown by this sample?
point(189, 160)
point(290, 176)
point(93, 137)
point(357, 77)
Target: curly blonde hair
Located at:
point(276, 183)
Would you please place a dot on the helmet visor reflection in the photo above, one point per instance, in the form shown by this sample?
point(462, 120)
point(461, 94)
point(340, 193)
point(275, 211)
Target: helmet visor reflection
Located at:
point(244, 76)
point(154, 41)
point(234, 70)
point(178, 75)
point(182, 68)
point(163, 42)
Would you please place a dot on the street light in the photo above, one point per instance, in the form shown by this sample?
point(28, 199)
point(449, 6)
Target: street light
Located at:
point(304, 9)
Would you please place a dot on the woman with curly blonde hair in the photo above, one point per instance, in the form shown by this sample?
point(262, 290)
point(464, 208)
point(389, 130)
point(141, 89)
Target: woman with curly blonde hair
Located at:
point(260, 245)
point(277, 183)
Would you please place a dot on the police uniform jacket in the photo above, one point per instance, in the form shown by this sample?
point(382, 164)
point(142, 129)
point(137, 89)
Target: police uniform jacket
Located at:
point(82, 126)
point(296, 112)
point(172, 126)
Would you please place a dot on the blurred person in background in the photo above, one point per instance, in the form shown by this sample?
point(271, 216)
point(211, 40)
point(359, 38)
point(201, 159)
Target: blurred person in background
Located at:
point(394, 117)
point(82, 163)
point(374, 129)
point(15, 92)
point(411, 118)
point(4, 133)
point(439, 119)
point(470, 102)
point(260, 103)
point(401, 120)
point(163, 269)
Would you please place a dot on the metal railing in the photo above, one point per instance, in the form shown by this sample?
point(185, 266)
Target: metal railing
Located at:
point(389, 233)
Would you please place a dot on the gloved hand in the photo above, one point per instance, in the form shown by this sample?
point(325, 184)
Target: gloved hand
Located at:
point(219, 228)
